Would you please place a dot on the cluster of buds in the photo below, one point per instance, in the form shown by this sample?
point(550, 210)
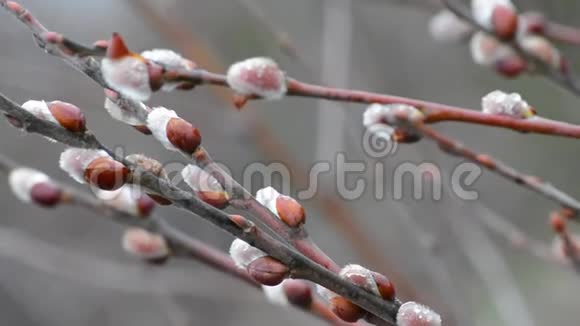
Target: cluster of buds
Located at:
point(206, 187)
point(129, 199)
point(285, 207)
point(261, 267)
point(415, 314)
point(145, 245)
point(390, 122)
point(95, 167)
point(63, 114)
point(259, 77)
point(137, 76)
point(488, 51)
point(173, 132)
point(512, 105)
point(497, 16)
point(295, 292)
point(32, 186)
point(373, 282)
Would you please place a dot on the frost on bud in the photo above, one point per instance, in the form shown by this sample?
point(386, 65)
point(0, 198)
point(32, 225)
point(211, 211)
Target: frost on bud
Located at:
point(206, 186)
point(173, 132)
point(542, 49)
point(125, 71)
point(285, 207)
point(384, 120)
point(498, 16)
point(95, 167)
point(261, 267)
point(371, 281)
point(32, 186)
point(446, 27)
point(490, 52)
point(66, 115)
point(129, 199)
point(512, 105)
point(145, 245)
point(172, 60)
point(257, 76)
point(415, 314)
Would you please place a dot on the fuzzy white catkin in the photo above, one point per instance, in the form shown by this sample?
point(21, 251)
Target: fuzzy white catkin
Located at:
point(199, 180)
point(243, 254)
point(446, 27)
point(128, 75)
point(276, 294)
point(122, 115)
point(40, 110)
point(482, 10)
point(498, 102)
point(415, 314)
point(170, 59)
point(22, 180)
point(486, 50)
point(358, 270)
point(267, 197)
point(74, 161)
point(144, 244)
point(263, 69)
point(157, 122)
point(125, 198)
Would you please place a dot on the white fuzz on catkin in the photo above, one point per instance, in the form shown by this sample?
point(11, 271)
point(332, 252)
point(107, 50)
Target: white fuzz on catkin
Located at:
point(498, 102)
point(376, 118)
point(446, 27)
point(243, 254)
point(144, 244)
point(74, 161)
point(122, 115)
point(482, 10)
point(169, 59)
point(199, 180)
point(157, 122)
point(40, 110)
point(128, 75)
point(267, 197)
point(125, 198)
point(415, 314)
point(257, 76)
point(22, 180)
point(357, 271)
point(487, 50)
point(276, 294)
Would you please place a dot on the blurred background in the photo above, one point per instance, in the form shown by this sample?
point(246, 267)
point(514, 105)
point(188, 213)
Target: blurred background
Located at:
point(66, 266)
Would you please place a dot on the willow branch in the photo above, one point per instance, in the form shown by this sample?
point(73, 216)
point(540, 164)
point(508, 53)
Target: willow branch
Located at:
point(301, 267)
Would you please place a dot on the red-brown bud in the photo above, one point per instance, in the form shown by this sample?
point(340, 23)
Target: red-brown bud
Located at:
point(217, 199)
point(511, 67)
point(298, 293)
point(143, 129)
point(386, 288)
point(106, 173)
point(290, 211)
point(268, 271)
point(116, 47)
point(346, 310)
point(557, 222)
point(69, 116)
point(145, 205)
point(46, 194)
point(504, 21)
point(183, 135)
